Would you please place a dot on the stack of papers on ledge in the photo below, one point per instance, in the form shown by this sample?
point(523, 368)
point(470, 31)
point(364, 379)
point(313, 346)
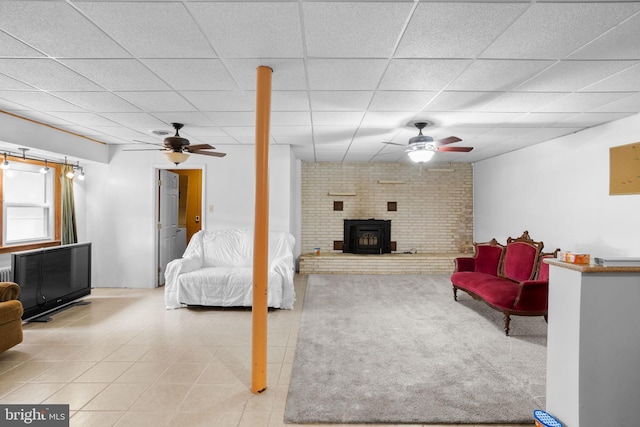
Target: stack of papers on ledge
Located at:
point(617, 262)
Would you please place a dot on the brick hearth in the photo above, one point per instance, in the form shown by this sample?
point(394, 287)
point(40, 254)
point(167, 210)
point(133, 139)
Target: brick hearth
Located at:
point(340, 263)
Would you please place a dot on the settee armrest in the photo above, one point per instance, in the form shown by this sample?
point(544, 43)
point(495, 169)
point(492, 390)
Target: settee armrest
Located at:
point(9, 291)
point(533, 296)
point(464, 264)
point(174, 269)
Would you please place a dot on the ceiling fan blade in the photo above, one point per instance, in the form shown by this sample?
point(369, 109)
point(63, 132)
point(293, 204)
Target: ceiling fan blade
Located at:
point(193, 148)
point(456, 149)
point(210, 153)
point(445, 141)
point(145, 149)
point(394, 143)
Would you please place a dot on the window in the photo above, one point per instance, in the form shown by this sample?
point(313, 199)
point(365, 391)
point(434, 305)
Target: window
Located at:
point(30, 205)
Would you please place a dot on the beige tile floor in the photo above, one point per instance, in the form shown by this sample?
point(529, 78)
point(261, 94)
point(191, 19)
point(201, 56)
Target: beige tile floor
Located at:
point(124, 360)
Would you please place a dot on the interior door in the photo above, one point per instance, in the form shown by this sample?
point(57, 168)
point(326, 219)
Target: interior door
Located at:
point(168, 192)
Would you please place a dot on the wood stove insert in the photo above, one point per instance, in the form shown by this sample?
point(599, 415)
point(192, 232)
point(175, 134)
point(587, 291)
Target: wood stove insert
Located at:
point(367, 236)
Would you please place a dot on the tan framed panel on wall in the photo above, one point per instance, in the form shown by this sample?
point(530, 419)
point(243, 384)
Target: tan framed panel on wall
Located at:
point(624, 169)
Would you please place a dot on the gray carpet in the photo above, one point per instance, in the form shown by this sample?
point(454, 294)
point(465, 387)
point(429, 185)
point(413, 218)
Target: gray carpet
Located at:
point(399, 349)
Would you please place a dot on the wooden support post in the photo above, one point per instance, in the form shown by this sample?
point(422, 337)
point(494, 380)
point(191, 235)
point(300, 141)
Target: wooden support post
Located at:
point(261, 232)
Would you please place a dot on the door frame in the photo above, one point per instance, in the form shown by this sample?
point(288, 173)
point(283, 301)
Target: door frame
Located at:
point(156, 207)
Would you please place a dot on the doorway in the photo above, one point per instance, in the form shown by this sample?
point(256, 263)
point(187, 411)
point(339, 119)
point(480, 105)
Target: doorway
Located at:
point(178, 213)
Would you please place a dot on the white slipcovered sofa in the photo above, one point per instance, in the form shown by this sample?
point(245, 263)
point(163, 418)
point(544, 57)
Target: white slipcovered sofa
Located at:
point(217, 270)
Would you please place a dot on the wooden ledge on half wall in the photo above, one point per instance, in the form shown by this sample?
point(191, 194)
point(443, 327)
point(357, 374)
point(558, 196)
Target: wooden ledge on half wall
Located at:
point(393, 263)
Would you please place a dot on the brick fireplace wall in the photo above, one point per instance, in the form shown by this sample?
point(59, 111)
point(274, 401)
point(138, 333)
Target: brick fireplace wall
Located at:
point(434, 209)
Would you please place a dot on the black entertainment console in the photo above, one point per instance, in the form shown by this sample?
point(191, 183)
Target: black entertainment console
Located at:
point(51, 279)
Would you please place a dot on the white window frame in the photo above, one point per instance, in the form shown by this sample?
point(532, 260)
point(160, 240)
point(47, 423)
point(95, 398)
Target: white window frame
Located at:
point(48, 205)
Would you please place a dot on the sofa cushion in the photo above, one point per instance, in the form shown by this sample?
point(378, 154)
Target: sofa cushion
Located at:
point(520, 261)
point(227, 248)
point(543, 269)
point(487, 259)
point(496, 291)
point(226, 287)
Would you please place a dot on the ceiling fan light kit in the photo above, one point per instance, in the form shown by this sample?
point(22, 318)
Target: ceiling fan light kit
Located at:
point(177, 149)
point(420, 155)
point(423, 147)
point(176, 157)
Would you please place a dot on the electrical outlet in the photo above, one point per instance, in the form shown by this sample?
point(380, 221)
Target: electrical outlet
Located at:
point(210, 208)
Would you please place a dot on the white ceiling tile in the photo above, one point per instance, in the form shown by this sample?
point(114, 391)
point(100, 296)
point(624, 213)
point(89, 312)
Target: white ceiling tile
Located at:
point(618, 43)
point(251, 30)
point(554, 30)
point(150, 29)
point(45, 74)
point(84, 119)
point(592, 119)
point(295, 140)
point(539, 119)
point(455, 30)
point(629, 104)
point(421, 74)
point(238, 118)
point(358, 98)
point(12, 48)
point(462, 118)
point(337, 118)
point(345, 74)
point(522, 101)
point(357, 29)
point(251, 139)
point(126, 133)
point(202, 131)
point(466, 133)
point(282, 100)
point(57, 29)
point(117, 74)
point(82, 130)
point(288, 131)
point(497, 75)
point(627, 80)
point(8, 83)
point(240, 131)
point(541, 135)
point(290, 118)
point(387, 119)
point(288, 74)
point(188, 118)
point(41, 101)
point(582, 101)
point(100, 102)
point(461, 101)
point(157, 101)
point(331, 100)
point(397, 100)
point(192, 74)
point(141, 120)
point(568, 76)
point(220, 100)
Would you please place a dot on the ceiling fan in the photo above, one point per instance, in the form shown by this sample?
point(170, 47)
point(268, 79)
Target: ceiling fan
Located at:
point(177, 148)
point(422, 147)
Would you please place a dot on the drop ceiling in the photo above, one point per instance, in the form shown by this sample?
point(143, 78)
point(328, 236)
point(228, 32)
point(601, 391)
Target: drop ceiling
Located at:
point(347, 75)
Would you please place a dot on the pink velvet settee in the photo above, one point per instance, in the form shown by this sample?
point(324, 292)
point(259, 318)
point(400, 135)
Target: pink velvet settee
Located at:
point(511, 279)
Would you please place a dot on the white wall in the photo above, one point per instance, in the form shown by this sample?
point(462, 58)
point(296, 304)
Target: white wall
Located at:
point(121, 200)
point(559, 191)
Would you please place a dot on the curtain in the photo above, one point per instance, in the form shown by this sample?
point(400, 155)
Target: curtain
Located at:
point(69, 231)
